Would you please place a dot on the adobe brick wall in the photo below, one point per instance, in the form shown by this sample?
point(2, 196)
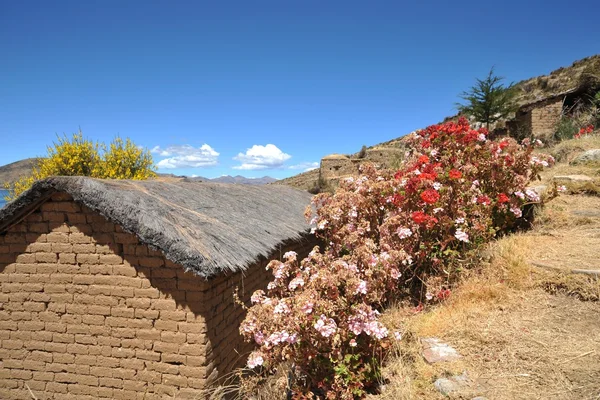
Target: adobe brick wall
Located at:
point(86, 311)
point(544, 119)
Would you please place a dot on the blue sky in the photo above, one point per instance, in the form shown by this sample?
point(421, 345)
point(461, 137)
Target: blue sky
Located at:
point(263, 87)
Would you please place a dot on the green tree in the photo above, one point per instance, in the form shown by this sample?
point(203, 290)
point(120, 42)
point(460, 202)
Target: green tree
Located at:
point(82, 157)
point(488, 100)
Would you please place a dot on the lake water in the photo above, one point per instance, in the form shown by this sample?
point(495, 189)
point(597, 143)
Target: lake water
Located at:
point(2, 194)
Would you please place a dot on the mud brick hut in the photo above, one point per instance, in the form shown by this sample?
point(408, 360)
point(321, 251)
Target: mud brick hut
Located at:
point(125, 290)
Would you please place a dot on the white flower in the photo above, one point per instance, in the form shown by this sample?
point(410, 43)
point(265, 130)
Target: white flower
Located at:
point(255, 360)
point(433, 153)
point(428, 296)
point(461, 235)
point(322, 224)
point(397, 335)
point(281, 308)
point(403, 233)
point(290, 254)
point(481, 137)
point(437, 185)
point(395, 274)
point(257, 296)
point(417, 172)
point(459, 221)
point(520, 194)
point(561, 188)
point(437, 210)
point(294, 283)
point(353, 343)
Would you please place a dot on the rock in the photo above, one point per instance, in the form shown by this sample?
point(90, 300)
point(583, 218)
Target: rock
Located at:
point(451, 385)
point(434, 350)
point(539, 189)
point(587, 157)
point(572, 179)
point(586, 213)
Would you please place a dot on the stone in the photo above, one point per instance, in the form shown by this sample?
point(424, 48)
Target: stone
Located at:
point(572, 179)
point(586, 213)
point(434, 351)
point(539, 189)
point(590, 156)
point(451, 385)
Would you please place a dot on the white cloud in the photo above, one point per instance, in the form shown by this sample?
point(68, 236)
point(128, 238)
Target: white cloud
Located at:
point(305, 166)
point(186, 156)
point(262, 157)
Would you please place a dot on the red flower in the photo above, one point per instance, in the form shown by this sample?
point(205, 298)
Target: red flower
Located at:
point(423, 159)
point(484, 200)
point(502, 198)
point(503, 144)
point(419, 217)
point(430, 196)
point(398, 174)
point(455, 174)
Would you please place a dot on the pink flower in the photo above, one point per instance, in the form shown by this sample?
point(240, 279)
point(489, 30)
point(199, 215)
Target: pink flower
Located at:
point(255, 359)
point(395, 274)
point(516, 211)
point(361, 288)
point(520, 195)
point(532, 195)
point(397, 335)
point(561, 188)
point(353, 343)
point(325, 326)
point(307, 307)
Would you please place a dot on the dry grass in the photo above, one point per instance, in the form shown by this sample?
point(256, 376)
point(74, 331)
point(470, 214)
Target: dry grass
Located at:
point(520, 336)
point(567, 150)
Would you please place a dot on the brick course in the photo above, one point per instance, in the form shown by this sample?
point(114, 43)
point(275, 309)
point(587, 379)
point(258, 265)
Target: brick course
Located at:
point(87, 311)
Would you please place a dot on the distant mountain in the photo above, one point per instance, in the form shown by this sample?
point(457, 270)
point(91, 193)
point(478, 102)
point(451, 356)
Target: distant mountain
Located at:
point(238, 179)
point(13, 171)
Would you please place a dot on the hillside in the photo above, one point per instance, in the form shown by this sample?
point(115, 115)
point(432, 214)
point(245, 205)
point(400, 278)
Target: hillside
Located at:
point(13, 171)
point(582, 74)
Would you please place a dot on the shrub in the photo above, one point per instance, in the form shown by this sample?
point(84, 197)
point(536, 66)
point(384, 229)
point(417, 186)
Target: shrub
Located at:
point(388, 233)
point(565, 129)
point(363, 152)
point(82, 157)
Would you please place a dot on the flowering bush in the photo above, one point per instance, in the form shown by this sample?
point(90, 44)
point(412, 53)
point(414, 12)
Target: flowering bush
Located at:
point(386, 232)
point(586, 130)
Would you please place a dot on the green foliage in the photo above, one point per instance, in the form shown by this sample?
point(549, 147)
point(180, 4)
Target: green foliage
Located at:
point(488, 100)
point(82, 157)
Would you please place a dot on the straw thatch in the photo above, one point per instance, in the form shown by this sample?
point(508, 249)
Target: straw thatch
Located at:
point(209, 228)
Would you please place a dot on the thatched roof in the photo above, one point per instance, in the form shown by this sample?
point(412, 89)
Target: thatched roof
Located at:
point(209, 228)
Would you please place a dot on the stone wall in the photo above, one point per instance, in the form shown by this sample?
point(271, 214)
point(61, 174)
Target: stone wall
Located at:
point(86, 311)
point(544, 119)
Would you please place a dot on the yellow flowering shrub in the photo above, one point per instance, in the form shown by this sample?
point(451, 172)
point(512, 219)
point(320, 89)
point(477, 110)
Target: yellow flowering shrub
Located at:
point(82, 157)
